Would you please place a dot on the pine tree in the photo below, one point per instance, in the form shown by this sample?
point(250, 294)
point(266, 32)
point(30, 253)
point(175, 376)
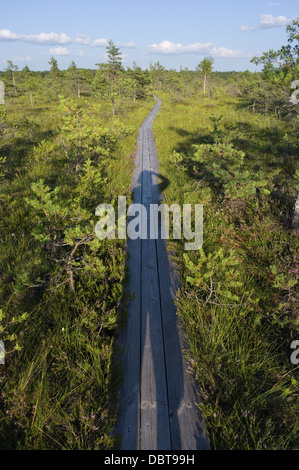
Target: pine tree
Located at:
point(114, 68)
point(114, 59)
point(54, 66)
point(11, 69)
point(76, 77)
point(284, 63)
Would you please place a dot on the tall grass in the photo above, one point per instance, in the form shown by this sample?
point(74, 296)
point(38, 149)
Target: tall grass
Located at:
point(239, 301)
point(58, 385)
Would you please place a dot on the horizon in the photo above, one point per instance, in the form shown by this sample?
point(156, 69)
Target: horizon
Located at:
point(174, 34)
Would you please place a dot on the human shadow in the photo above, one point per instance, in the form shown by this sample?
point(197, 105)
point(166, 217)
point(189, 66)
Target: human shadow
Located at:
point(158, 397)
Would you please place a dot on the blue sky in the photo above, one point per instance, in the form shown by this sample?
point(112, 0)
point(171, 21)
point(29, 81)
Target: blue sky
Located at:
point(175, 33)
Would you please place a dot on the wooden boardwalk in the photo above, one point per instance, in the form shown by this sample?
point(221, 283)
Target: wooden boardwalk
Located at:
point(158, 398)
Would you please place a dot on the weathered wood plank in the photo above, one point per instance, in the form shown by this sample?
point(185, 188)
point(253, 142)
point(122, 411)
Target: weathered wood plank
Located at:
point(154, 430)
point(158, 398)
point(128, 426)
point(154, 422)
point(185, 420)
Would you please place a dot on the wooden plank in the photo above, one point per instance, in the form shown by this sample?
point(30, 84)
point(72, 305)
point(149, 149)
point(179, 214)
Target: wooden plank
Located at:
point(128, 426)
point(185, 421)
point(154, 431)
point(158, 398)
point(129, 342)
point(154, 422)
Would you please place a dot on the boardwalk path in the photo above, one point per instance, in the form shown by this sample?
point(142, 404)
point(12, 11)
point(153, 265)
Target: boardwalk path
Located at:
point(158, 397)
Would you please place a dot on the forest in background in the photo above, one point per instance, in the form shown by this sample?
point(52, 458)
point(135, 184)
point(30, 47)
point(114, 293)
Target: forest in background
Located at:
point(226, 140)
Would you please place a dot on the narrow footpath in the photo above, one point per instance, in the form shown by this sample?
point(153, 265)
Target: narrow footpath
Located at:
point(158, 398)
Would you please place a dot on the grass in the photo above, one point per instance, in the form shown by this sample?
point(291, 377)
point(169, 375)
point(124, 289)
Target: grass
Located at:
point(60, 310)
point(61, 288)
point(239, 300)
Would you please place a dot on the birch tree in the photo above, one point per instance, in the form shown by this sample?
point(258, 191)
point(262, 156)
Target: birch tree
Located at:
point(206, 67)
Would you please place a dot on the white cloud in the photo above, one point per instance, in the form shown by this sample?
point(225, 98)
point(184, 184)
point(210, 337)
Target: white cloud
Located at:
point(60, 51)
point(6, 35)
point(273, 4)
point(82, 39)
point(63, 51)
point(62, 39)
point(167, 47)
point(100, 42)
point(46, 38)
point(42, 38)
point(270, 21)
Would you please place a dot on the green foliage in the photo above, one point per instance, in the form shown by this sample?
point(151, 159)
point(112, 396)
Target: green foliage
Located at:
point(62, 152)
point(100, 83)
point(2, 161)
point(54, 66)
point(114, 58)
point(60, 286)
point(282, 66)
point(206, 67)
point(157, 75)
point(112, 82)
point(81, 134)
point(225, 165)
point(239, 300)
point(141, 80)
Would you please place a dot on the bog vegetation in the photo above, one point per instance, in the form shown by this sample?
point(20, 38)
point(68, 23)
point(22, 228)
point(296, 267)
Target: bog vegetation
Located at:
point(225, 140)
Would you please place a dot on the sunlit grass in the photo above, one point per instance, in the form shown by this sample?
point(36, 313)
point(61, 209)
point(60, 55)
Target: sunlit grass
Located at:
point(239, 314)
